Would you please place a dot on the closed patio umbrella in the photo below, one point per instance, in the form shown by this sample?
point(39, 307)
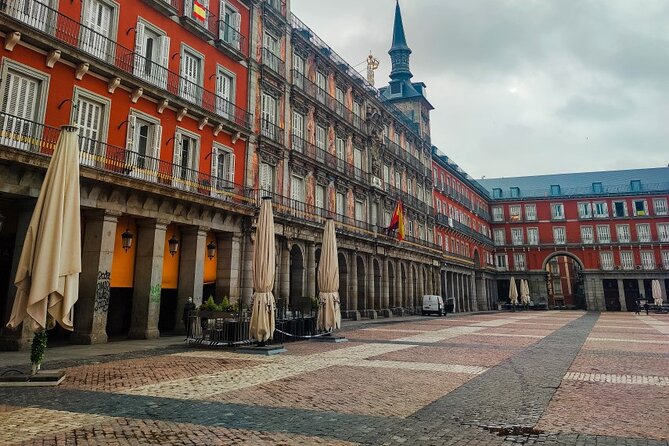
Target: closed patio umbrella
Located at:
point(657, 292)
point(47, 277)
point(524, 292)
point(329, 312)
point(264, 263)
point(513, 292)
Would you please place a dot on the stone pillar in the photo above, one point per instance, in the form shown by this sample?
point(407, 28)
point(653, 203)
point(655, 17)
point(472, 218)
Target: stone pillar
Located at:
point(228, 257)
point(148, 279)
point(353, 283)
point(20, 338)
point(621, 295)
point(371, 289)
point(246, 273)
point(399, 289)
point(311, 270)
point(191, 271)
point(642, 291)
point(410, 287)
point(97, 254)
point(385, 284)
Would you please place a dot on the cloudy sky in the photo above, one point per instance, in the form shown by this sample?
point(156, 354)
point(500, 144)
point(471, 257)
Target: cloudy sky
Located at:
point(524, 86)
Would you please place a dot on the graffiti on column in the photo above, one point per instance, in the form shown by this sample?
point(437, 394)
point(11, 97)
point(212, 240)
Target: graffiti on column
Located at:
point(154, 293)
point(102, 292)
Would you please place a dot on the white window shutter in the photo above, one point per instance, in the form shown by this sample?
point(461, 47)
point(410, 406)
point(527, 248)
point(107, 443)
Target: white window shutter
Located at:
point(236, 25)
point(214, 168)
point(130, 135)
point(177, 148)
point(231, 170)
point(221, 20)
point(139, 48)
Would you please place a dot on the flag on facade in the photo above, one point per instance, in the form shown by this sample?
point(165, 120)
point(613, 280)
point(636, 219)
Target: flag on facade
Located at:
point(199, 11)
point(397, 221)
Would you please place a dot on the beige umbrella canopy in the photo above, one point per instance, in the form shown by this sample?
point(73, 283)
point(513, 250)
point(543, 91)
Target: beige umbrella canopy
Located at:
point(513, 292)
point(264, 264)
point(47, 277)
point(329, 313)
point(524, 292)
point(657, 292)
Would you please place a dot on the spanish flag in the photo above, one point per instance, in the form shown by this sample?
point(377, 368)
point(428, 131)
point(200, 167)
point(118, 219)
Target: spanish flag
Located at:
point(397, 221)
point(199, 11)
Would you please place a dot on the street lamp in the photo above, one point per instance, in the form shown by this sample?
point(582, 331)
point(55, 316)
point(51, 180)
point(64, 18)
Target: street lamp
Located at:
point(211, 249)
point(173, 244)
point(126, 240)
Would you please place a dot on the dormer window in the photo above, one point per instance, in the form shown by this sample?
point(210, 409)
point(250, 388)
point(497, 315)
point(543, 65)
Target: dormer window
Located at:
point(635, 185)
point(515, 192)
point(597, 188)
point(497, 193)
point(555, 189)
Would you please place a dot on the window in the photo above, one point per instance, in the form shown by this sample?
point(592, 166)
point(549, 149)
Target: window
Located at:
point(398, 181)
point(357, 158)
point(643, 232)
point(386, 218)
point(497, 193)
point(298, 132)
point(532, 236)
point(620, 209)
point(35, 14)
point(647, 259)
point(499, 237)
point(191, 76)
point(606, 260)
point(517, 236)
point(268, 114)
point(320, 196)
point(665, 259)
point(498, 213)
point(623, 233)
point(600, 209)
point(663, 232)
point(519, 261)
point(587, 234)
point(339, 96)
point(559, 235)
point(297, 191)
point(143, 139)
point(530, 212)
point(23, 94)
point(99, 29)
point(298, 70)
point(515, 192)
point(640, 208)
point(555, 190)
point(501, 261)
point(320, 137)
point(386, 174)
point(321, 83)
point(557, 211)
point(603, 234)
point(660, 206)
point(584, 210)
point(186, 160)
point(266, 178)
point(627, 259)
point(229, 25)
point(92, 119)
point(514, 213)
point(340, 147)
point(635, 185)
point(597, 188)
point(152, 53)
point(360, 210)
point(341, 200)
point(225, 96)
point(271, 52)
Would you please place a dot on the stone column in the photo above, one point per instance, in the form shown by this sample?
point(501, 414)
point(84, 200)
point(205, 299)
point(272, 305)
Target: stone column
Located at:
point(399, 287)
point(148, 279)
point(191, 270)
point(439, 289)
point(410, 287)
point(97, 254)
point(621, 295)
point(311, 270)
point(385, 284)
point(371, 291)
point(353, 285)
point(228, 266)
point(246, 273)
point(20, 338)
point(642, 291)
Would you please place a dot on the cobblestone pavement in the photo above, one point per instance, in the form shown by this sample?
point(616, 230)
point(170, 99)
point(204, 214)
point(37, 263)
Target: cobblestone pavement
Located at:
point(568, 378)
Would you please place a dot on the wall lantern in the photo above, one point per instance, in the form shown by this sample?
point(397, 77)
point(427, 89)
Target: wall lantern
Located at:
point(126, 240)
point(173, 244)
point(211, 249)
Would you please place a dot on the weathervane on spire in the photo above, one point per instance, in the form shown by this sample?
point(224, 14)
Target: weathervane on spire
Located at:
point(372, 64)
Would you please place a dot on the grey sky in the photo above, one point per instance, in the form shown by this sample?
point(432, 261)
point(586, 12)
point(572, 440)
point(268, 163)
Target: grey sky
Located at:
point(524, 87)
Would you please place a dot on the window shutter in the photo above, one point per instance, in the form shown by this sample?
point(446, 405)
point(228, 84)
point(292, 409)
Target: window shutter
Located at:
point(231, 169)
point(214, 169)
point(236, 25)
point(164, 59)
point(139, 48)
point(130, 136)
point(221, 21)
point(177, 155)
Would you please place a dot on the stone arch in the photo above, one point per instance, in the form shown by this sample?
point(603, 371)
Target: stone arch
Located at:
point(297, 271)
point(343, 281)
point(362, 283)
point(552, 255)
point(378, 293)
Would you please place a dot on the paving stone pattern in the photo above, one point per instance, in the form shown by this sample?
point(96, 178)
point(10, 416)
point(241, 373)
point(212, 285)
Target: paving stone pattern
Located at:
point(487, 379)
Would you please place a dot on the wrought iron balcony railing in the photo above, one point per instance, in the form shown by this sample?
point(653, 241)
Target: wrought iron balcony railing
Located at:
point(232, 38)
point(55, 25)
point(328, 160)
point(34, 137)
point(272, 131)
point(273, 62)
point(209, 22)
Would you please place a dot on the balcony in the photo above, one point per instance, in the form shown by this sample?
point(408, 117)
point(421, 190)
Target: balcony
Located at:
point(277, 7)
point(231, 39)
point(113, 58)
point(405, 156)
point(445, 221)
point(272, 131)
point(273, 62)
point(326, 159)
point(29, 136)
point(206, 25)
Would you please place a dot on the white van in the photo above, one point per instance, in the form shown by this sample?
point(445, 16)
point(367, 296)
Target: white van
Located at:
point(433, 304)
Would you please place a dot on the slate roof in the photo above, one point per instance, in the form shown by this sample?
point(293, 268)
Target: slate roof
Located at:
point(613, 182)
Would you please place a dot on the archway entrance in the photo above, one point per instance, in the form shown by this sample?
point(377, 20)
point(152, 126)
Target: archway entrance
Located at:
point(296, 276)
point(564, 282)
point(377, 285)
point(362, 295)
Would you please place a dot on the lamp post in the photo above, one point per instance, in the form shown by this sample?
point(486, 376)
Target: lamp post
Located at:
point(126, 240)
point(173, 245)
point(211, 249)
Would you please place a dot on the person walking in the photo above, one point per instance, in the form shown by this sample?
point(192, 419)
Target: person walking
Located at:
point(636, 307)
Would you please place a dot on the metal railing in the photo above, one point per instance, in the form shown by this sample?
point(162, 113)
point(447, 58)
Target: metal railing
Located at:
point(404, 155)
point(70, 32)
point(272, 131)
point(232, 38)
point(329, 160)
point(278, 6)
point(34, 137)
point(210, 21)
point(445, 221)
point(406, 198)
point(273, 62)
